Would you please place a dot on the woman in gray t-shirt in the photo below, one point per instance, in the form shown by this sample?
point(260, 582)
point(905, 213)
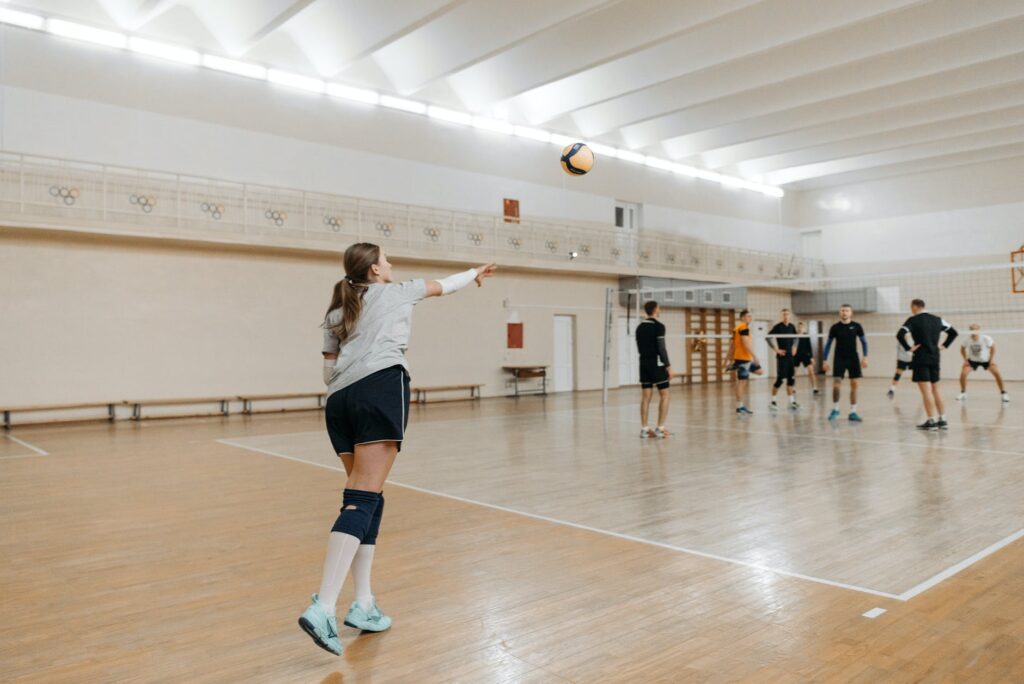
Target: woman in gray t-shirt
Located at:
point(366, 333)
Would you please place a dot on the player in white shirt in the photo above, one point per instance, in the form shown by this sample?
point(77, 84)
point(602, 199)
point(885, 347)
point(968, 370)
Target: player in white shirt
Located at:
point(979, 351)
point(903, 359)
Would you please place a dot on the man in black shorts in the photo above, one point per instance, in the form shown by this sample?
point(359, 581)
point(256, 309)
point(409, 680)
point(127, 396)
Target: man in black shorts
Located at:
point(926, 330)
point(785, 359)
point(805, 355)
point(845, 334)
point(654, 369)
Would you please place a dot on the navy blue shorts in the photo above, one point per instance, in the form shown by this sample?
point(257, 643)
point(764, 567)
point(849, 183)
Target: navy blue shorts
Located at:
point(744, 369)
point(374, 409)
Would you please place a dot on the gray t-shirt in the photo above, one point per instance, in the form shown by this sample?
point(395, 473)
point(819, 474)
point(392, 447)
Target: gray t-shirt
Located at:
point(381, 335)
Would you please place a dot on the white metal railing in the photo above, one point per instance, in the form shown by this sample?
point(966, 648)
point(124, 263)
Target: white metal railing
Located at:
point(84, 194)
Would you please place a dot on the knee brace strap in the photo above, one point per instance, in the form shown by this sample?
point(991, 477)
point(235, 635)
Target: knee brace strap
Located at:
point(357, 508)
point(374, 528)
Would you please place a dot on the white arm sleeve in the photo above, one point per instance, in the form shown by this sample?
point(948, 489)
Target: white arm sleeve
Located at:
point(457, 281)
point(328, 370)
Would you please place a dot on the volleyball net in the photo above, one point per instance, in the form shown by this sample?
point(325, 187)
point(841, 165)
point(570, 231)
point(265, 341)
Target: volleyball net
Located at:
point(699, 317)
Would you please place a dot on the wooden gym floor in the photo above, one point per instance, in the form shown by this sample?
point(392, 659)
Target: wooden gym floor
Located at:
point(537, 540)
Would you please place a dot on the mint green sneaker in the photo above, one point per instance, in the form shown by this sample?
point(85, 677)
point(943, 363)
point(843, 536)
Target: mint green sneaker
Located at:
point(368, 621)
point(321, 627)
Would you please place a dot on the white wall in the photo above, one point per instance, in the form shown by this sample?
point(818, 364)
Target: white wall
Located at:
point(968, 212)
point(70, 100)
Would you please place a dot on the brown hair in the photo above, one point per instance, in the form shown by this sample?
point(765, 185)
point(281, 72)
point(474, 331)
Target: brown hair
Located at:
point(919, 303)
point(348, 292)
point(649, 307)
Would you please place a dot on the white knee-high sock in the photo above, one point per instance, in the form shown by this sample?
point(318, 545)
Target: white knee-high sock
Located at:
point(341, 549)
point(362, 566)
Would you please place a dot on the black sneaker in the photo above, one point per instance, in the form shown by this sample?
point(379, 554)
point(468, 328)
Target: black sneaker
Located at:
point(942, 425)
point(928, 425)
point(817, 392)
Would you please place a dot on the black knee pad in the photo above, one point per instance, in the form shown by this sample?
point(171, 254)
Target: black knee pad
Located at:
point(896, 377)
point(790, 381)
point(778, 383)
point(357, 509)
point(374, 528)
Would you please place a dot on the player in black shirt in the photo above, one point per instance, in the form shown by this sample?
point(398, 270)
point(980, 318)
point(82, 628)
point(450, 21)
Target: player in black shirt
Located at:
point(926, 330)
point(805, 355)
point(654, 369)
point(845, 335)
point(785, 359)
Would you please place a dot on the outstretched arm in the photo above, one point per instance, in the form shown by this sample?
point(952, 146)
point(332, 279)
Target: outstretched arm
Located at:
point(457, 281)
point(951, 334)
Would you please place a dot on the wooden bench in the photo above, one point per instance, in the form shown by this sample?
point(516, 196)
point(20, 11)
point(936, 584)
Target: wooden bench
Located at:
point(420, 393)
point(109, 405)
point(248, 399)
point(522, 372)
point(137, 404)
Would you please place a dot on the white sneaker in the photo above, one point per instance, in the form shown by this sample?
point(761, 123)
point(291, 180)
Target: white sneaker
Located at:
point(773, 406)
point(1005, 397)
point(661, 434)
point(962, 396)
point(646, 432)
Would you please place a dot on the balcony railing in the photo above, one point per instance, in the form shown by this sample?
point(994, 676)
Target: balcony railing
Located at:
point(39, 190)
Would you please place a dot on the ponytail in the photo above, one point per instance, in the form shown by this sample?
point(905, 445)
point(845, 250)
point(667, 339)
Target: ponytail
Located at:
point(348, 292)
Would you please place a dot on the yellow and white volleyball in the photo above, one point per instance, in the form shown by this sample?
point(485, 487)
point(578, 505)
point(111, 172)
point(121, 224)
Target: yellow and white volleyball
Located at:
point(577, 159)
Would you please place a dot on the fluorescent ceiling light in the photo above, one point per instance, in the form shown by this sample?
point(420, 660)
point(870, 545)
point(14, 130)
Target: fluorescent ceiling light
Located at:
point(531, 133)
point(562, 140)
point(350, 93)
point(662, 164)
point(164, 51)
point(402, 104)
point(772, 191)
point(626, 155)
point(606, 150)
point(69, 29)
point(23, 19)
point(286, 78)
point(685, 170)
point(731, 181)
point(495, 125)
point(233, 66)
point(449, 115)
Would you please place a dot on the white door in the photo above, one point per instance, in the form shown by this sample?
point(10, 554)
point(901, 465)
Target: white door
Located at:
point(761, 348)
point(629, 361)
point(564, 355)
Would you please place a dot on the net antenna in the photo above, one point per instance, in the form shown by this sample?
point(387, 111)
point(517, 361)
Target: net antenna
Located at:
point(1017, 270)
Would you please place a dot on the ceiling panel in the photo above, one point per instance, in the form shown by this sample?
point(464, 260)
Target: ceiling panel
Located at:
point(805, 93)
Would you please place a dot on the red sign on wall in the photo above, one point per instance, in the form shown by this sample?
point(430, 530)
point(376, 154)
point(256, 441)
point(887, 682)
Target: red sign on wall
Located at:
point(515, 335)
point(511, 211)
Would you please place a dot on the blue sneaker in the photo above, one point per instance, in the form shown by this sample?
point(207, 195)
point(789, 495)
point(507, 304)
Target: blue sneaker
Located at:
point(367, 620)
point(744, 411)
point(854, 418)
point(834, 414)
point(321, 627)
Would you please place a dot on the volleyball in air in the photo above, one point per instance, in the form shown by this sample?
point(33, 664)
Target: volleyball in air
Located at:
point(577, 159)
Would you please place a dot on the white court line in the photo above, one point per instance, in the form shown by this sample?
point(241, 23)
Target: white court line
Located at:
point(680, 427)
point(873, 613)
point(27, 446)
point(555, 521)
point(962, 565)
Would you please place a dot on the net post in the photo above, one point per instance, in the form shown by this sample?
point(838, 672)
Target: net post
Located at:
point(608, 300)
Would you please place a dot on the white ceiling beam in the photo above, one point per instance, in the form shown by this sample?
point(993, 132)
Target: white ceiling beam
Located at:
point(904, 169)
point(1010, 135)
point(880, 121)
point(755, 29)
point(963, 83)
point(990, 43)
point(610, 32)
point(848, 44)
point(335, 34)
point(880, 142)
point(457, 39)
